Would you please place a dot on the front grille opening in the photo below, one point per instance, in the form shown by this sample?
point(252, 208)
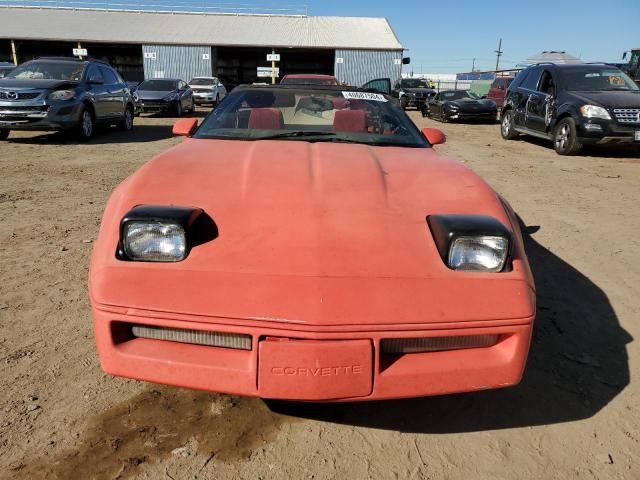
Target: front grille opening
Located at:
point(234, 341)
point(436, 344)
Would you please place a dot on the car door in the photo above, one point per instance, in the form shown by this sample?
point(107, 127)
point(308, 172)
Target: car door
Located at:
point(523, 92)
point(539, 102)
point(434, 106)
point(114, 92)
point(97, 90)
point(185, 93)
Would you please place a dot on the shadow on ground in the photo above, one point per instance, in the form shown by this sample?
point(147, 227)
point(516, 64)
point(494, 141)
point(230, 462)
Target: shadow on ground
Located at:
point(577, 364)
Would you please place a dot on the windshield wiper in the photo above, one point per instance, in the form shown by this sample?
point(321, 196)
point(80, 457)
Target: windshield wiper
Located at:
point(294, 135)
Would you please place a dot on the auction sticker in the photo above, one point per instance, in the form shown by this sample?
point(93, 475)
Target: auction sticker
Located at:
point(376, 97)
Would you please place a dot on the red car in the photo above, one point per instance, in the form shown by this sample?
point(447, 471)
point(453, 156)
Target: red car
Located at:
point(308, 79)
point(498, 90)
point(309, 243)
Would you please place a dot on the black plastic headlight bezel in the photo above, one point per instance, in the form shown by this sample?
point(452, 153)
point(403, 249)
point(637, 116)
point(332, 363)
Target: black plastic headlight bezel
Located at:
point(445, 229)
point(184, 217)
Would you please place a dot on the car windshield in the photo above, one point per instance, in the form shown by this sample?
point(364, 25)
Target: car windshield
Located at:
point(312, 115)
point(202, 81)
point(414, 83)
point(459, 95)
point(589, 79)
point(158, 85)
point(308, 81)
point(49, 71)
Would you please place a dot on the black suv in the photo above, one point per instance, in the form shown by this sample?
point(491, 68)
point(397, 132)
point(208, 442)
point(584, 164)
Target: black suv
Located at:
point(64, 94)
point(573, 105)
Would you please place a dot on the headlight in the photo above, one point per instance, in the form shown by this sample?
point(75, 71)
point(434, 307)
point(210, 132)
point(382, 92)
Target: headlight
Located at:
point(484, 254)
point(594, 111)
point(475, 243)
point(135, 96)
point(170, 97)
point(62, 95)
point(452, 106)
point(154, 242)
point(154, 233)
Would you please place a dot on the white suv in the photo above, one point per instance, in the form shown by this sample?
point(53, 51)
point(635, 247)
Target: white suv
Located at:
point(207, 90)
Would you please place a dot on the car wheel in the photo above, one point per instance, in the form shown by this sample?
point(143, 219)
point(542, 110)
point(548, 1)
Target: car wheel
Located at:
point(425, 111)
point(4, 134)
point(86, 127)
point(217, 99)
point(178, 109)
point(565, 138)
point(127, 122)
point(506, 126)
point(443, 116)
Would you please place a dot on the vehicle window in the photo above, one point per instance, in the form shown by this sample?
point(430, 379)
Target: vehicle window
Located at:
point(158, 85)
point(93, 74)
point(520, 78)
point(547, 85)
point(595, 78)
point(531, 80)
point(459, 95)
point(308, 81)
point(108, 75)
point(382, 85)
point(202, 81)
point(42, 70)
point(414, 83)
point(311, 114)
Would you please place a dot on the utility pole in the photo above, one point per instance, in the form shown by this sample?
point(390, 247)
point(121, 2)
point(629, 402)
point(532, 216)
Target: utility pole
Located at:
point(498, 55)
point(273, 68)
point(473, 65)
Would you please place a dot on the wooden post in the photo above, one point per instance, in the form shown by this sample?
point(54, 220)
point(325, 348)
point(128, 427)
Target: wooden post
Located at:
point(273, 69)
point(79, 46)
point(14, 53)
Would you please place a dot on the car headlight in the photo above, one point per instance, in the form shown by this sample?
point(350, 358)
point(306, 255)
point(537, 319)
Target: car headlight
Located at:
point(135, 96)
point(451, 106)
point(62, 95)
point(475, 243)
point(150, 233)
point(594, 111)
point(170, 97)
point(482, 253)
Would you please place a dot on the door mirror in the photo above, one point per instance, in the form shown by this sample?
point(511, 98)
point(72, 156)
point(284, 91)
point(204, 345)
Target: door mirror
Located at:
point(434, 136)
point(185, 127)
point(406, 60)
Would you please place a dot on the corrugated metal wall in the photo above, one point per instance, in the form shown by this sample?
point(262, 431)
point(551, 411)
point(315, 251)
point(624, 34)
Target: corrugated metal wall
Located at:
point(357, 67)
point(174, 61)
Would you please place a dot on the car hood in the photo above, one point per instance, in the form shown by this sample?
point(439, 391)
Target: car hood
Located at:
point(19, 83)
point(152, 94)
point(608, 99)
point(314, 233)
point(473, 105)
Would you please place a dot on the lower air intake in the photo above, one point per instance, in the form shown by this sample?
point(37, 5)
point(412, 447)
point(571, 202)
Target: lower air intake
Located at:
point(435, 344)
point(196, 337)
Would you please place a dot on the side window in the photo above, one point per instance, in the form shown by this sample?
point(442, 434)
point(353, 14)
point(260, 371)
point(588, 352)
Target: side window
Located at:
point(94, 75)
point(547, 85)
point(381, 84)
point(531, 81)
point(108, 75)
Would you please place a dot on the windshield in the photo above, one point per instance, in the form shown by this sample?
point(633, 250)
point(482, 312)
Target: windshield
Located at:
point(459, 95)
point(590, 79)
point(158, 85)
point(308, 81)
point(414, 83)
point(49, 71)
point(202, 81)
point(313, 115)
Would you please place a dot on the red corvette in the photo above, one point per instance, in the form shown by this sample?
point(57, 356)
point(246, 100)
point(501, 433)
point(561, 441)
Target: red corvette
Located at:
point(308, 243)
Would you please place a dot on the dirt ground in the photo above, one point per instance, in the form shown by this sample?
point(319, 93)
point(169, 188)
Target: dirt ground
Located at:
point(575, 414)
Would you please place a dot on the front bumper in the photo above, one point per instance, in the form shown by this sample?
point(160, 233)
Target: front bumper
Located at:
point(417, 102)
point(156, 107)
point(315, 365)
point(39, 116)
point(485, 116)
point(603, 132)
point(202, 99)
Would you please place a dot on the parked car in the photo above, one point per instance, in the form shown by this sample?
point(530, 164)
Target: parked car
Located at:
point(64, 94)
point(572, 106)
point(165, 95)
point(498, 90)
point(5, 68)
point(460, 105)
point(307, 243)
point(408, 92)
point(308, 79)
point(207, 90)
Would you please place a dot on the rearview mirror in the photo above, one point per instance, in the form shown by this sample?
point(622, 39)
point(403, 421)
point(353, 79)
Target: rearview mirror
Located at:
point(185, 127)
point(434, 136)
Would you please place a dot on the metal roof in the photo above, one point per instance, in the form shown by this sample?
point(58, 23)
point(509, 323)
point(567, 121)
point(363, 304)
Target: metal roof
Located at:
point(87, 25)
point(553, 56)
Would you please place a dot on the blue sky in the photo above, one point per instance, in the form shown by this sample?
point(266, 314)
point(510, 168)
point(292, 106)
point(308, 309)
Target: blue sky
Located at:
point(444, 36)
